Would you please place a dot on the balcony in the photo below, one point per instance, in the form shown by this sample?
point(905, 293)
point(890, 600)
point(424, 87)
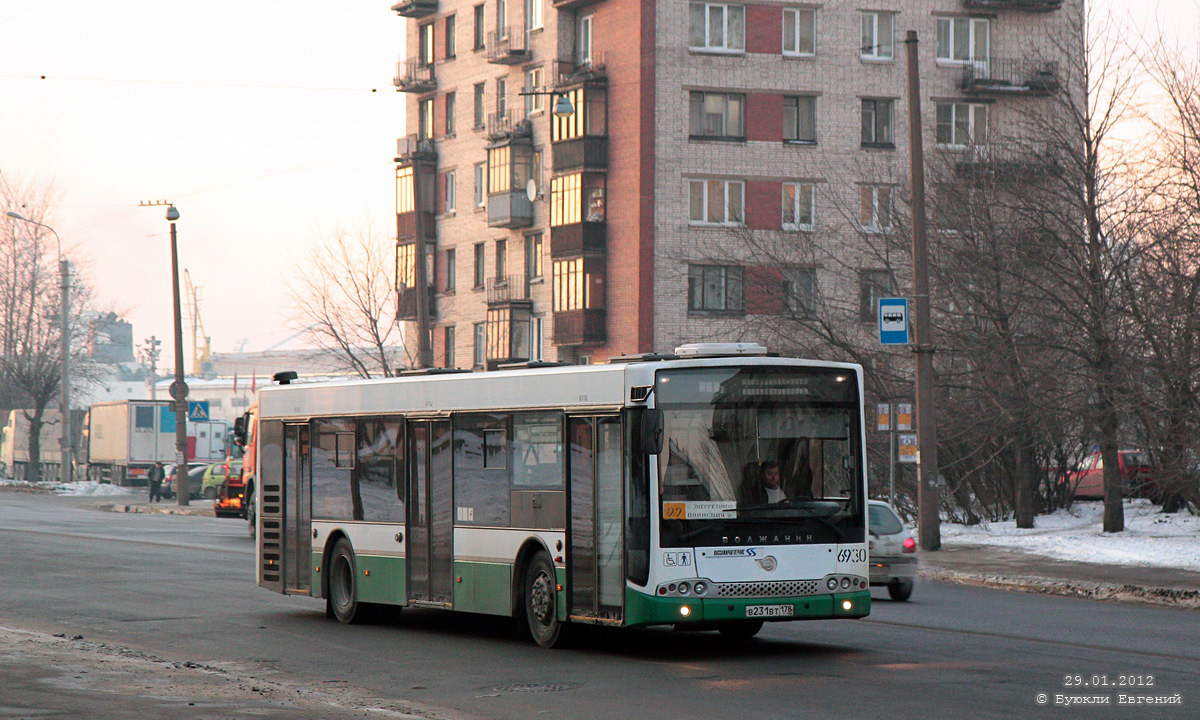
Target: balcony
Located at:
point(510, 47)
point(580, 327)
point(573, 4)
point(582, 153)
point(507, 289)
point(1032, 6)
point(577, 72)
point(585, 238)
point(414, 76)
point(406, 225)
point(506, 125)
point(1010, 77)
point(414, 149)
point(406, 303)
point(1005, 162)
point(510, 210)
point(415, 8)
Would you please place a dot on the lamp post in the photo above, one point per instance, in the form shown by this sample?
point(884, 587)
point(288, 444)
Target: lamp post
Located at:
point(64, 273)
point(179, 388)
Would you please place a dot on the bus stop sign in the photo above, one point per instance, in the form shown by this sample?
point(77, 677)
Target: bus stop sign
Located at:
point(893, 321)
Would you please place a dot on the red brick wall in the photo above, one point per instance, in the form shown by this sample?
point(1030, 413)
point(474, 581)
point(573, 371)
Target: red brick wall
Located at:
point(762, 291)
point(762, 204)
point(764, 29)
point(764, 117)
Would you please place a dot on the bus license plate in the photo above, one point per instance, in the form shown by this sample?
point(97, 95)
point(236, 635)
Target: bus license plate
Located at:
point(770, 610)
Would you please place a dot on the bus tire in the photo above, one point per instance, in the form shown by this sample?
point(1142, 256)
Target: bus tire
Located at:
point(341, 598)
point(541, 601)
point(740, 629)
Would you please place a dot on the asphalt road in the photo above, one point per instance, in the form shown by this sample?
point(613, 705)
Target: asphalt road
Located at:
point(181, 588)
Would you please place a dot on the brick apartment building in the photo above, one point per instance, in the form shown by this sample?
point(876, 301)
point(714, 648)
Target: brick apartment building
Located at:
point(692, 124)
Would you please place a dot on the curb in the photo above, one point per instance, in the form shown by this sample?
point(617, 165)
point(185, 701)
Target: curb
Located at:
point(166, 510)
point(1158, 596)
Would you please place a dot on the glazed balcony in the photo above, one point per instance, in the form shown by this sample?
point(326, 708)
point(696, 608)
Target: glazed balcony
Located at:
point(512, 210)
point(1032, 6)
point(509, 47)
point(583, 238)
point(589, 152)
point(580, 327)
point(415, 8)
point(1010, 77)
point(574, 4)
point(406, 303)
point(414, 76)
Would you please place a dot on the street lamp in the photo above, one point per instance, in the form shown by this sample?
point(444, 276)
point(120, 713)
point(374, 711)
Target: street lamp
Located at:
point(179, 388)
point(563, 108)
point(64, 272)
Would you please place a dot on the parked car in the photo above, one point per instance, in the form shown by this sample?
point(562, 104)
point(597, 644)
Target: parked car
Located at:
point(195, 473)
point(892, 552)
point(1137, 475)
point(215, 476)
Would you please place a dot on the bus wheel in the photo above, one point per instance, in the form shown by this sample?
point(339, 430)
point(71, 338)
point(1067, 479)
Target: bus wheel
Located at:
point(541, 602)
point(341, 601)
point(741, 629)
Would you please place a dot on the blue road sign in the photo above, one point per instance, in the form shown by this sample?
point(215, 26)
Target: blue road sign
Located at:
point(197, 410)
point(893, 321)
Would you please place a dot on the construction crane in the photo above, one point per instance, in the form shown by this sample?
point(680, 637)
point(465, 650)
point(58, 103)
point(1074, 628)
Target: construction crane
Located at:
point(201, 356)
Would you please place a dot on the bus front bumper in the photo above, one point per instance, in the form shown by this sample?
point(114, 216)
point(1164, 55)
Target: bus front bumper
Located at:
point(642, 609)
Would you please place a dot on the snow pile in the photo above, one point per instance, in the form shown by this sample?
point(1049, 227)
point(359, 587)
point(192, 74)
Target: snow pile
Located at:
point(1150, 538)
point(88, 488)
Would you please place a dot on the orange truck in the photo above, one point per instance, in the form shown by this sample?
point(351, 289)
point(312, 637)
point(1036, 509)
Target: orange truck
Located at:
point(236, 496)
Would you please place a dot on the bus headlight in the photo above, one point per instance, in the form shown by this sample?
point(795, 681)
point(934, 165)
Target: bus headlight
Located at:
point(847, 605)
point(684, 588)
point(831, 583)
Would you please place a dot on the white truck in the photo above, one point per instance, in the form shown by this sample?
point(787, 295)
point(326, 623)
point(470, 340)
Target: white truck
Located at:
point(14, 445)
point(126, 437)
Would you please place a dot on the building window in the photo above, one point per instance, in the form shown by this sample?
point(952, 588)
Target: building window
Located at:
point(448, 347)
point(450, 41)
point(502, 19)
point(877, 123)
point(715, 287)
point(480, 28)
point(533, 256)
point(583, 41)
point(425, 119)
point(501, 96)
point(425, 43)
point(589, 118)
point(533, 81)
point(451, 108)
point(716, 202)
point(962, 40)
point(800, 119)
point(451, 270)
point(800, 290)
point(480, 267)
point(451, 191)
point(480, 91)
point(501, 260)
point(480, 185)
point(480, 343)
point(798, 206)
point(405, 197)
point(799, 32)
point(878, 30)
point(533, 14)
point(717, 27)
point(537, 334)
point(718, 115)
point(961, 124)
point(873, 285)
point(875, 211)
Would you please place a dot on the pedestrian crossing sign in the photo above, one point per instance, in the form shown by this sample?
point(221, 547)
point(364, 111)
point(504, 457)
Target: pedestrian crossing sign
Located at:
point(197, 410)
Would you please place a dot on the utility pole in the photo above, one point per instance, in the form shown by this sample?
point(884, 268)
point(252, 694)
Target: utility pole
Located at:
point(928, 506)
point(179, 388)
point(150, 352)
point(64, 269)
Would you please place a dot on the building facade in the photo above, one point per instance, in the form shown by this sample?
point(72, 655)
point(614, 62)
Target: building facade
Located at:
point(719, 163)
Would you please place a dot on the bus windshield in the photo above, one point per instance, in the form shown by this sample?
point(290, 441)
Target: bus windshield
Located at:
point(761, 455)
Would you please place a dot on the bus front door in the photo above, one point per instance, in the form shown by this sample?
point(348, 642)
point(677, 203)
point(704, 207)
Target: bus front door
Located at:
point(430, 523)
point(595, 566)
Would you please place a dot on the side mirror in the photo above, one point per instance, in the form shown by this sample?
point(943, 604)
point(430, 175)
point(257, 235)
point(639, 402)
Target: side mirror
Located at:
point(650, 435)
point(239, 430)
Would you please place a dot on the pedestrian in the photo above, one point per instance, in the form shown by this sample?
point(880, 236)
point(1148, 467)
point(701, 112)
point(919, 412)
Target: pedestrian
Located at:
point(155, 478)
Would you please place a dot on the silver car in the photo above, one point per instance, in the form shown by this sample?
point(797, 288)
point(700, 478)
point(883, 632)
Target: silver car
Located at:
point(893, 551)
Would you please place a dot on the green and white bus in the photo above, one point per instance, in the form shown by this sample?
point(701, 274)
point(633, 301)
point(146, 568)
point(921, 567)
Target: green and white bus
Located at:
point(713, 488)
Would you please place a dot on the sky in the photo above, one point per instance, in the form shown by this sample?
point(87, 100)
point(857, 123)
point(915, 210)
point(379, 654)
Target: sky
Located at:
point(257, 120)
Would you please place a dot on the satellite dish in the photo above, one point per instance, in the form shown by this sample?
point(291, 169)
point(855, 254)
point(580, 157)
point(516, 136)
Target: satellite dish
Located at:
point(531, 190)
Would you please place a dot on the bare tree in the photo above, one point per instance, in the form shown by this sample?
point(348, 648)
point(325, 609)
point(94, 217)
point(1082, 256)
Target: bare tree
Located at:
point(343, 296)
point(30, 331)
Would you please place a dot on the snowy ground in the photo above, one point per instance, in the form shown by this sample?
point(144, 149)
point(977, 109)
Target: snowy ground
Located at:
point(75, 488)
point(1150, 538)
